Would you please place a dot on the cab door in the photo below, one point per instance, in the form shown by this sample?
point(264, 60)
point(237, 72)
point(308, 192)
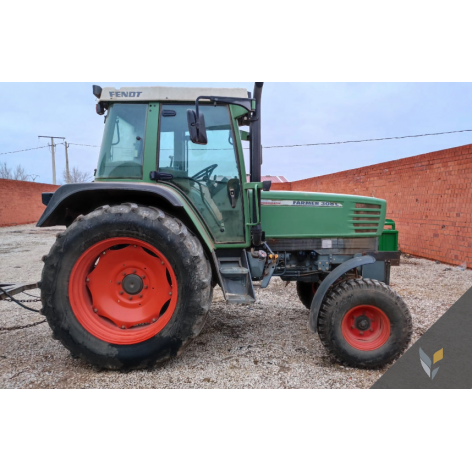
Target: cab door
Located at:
point(207, 174)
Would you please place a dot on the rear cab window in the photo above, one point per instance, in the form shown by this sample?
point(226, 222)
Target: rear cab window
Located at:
point(122, 150)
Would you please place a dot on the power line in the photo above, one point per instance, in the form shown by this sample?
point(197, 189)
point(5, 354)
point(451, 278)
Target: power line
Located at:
point(336, 142)
point(23, 150)
point(87, 145)
point(339, 142)
point(290, 145)
point(373, 139)
point(41, 147)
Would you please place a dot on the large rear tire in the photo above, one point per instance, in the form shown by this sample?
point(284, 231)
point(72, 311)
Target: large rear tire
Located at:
point(364, 323)
point(126, 287)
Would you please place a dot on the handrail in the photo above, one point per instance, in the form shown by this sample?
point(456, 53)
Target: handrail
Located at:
point(254, 186)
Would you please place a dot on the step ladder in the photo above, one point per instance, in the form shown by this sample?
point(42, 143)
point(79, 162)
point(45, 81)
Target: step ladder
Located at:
point(236, 279)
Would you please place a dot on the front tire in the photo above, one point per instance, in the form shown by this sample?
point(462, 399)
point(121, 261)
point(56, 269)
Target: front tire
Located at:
point(306, 291)
point(126, 287)
point(364, 323)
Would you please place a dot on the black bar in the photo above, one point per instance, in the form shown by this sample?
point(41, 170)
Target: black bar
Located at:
point(13, 289)
point(392, 256)
point(256, 135)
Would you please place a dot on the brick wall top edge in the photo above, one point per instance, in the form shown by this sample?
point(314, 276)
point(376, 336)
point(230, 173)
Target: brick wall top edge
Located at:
point(25, 183)
point(427, 159)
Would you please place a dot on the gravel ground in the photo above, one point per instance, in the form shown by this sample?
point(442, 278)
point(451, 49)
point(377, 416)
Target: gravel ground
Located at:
point(266, 345)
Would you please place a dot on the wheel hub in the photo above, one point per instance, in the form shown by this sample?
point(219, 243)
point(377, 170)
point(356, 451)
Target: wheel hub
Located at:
point(362, 323)
point(366, 327)
point(132, 284)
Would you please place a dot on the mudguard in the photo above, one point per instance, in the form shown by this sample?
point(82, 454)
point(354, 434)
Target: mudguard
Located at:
point(81, 198)
point(329, 280)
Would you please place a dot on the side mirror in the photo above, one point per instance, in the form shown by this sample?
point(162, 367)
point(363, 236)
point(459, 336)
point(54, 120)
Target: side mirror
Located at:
point(196, 127)
point(100, 108)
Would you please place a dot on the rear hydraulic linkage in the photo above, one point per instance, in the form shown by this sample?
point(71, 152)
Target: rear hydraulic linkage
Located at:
point(8, 290)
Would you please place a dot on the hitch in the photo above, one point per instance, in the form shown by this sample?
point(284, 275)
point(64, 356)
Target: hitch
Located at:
point(8, 290)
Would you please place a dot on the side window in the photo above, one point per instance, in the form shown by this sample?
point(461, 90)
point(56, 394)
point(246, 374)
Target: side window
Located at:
point(208, 175)
point(121, 153)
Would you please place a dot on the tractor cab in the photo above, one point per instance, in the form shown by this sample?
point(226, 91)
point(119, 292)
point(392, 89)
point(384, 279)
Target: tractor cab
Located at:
point(151, 142)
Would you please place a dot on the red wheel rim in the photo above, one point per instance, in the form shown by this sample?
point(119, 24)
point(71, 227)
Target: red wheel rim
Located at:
point(366, 327)
point(123, 291)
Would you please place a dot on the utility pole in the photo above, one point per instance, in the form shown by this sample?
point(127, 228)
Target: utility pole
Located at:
point(66, 146)
point(53, 153)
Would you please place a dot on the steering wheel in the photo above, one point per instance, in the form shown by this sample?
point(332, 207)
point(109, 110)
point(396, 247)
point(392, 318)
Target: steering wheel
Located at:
point(205, 173)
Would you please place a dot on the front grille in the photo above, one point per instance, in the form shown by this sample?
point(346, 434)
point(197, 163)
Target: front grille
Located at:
point(369, 221)
point(367, 205)
point(367, 212)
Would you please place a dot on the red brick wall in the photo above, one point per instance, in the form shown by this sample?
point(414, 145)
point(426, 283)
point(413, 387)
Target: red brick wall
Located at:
point(281, 186)
point(429, 197)
point(21, 201)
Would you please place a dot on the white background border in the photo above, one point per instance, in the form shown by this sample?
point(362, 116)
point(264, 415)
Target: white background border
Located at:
point(227, 41)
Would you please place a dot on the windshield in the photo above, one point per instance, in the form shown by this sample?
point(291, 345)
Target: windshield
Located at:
point(208, 175)
point(121, 153)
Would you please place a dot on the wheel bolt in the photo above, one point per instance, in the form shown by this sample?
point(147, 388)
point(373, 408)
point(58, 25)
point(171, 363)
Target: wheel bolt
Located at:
point(87, 280)
point(130, 298)
point(361, 333)
point(170, 293)
point(95, 310)
point(154, 320)
point(134, 272)
point(143, 277)
point(104, 252)
point(145, 286)
point(118, 283)
point(134, 245)
point(121, 293)
point(141, 296)
point(371, 329)
point(162, 262)
point(352, 327)
point(123, 327)
point(124, 273)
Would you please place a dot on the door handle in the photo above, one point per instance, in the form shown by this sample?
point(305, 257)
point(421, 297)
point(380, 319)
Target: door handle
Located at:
point(233, 191)
point(232, 196)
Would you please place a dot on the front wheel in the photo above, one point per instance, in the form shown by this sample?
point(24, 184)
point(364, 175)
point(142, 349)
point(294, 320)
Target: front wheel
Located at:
point(364, 323)
point(126, 287)
point(306, 291)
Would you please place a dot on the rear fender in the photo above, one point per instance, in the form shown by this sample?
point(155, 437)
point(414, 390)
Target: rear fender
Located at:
point(72, 200)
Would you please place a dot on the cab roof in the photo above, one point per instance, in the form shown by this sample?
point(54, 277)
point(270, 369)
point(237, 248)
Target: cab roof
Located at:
point(160, 94)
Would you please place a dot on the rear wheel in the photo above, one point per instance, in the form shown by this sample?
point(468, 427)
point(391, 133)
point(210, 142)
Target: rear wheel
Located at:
point(126, 287)
point(364, 323)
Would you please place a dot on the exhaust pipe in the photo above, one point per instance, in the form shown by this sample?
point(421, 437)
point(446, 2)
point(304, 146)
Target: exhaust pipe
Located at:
point(256, 159)
point(256, 132)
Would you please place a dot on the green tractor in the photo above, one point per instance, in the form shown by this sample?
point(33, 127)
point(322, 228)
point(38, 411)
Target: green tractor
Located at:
point(171, 215)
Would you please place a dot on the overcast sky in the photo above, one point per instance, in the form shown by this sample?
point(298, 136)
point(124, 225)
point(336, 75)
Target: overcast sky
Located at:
point(293, 113)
